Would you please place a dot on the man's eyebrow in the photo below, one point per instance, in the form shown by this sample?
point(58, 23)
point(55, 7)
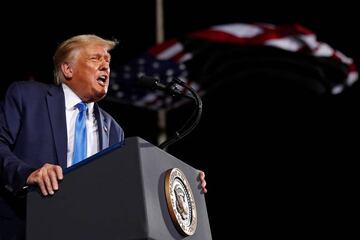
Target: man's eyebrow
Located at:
point(108, 55)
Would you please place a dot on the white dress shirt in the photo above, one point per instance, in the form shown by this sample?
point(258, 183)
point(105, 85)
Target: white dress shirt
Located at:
point(92, 133)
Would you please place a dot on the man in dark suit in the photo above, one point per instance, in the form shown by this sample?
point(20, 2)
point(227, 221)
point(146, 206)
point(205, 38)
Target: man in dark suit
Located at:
point(37, 125)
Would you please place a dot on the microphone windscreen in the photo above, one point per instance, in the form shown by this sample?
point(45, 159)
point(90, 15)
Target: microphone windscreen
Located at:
point(148, 82)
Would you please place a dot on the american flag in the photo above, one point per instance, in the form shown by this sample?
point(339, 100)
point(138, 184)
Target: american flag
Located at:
point(189, 57)
point(165, 62)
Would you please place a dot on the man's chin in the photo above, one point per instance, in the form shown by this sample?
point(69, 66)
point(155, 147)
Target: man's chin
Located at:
point(99, 96)
point(96, 97)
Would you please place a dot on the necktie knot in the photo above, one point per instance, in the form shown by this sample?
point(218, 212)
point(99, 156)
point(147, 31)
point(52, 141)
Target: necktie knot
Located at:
point(81, 106)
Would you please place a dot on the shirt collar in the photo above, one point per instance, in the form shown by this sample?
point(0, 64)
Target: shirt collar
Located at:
point(71, 99)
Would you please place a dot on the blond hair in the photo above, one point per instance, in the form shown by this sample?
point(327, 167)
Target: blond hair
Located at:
point(65, 51)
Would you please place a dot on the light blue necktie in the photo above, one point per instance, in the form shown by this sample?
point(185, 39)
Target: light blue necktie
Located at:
point(80, 142)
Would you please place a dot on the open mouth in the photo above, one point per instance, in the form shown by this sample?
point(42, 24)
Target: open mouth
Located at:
point(102, 80)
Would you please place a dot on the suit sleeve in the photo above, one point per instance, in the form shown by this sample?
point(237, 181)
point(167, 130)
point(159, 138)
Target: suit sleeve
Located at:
point(13, 171)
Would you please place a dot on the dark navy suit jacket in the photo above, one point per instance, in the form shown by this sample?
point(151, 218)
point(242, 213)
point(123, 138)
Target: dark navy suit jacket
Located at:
point(32, 133)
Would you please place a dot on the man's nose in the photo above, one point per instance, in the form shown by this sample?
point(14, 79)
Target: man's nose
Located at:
point(104, 65)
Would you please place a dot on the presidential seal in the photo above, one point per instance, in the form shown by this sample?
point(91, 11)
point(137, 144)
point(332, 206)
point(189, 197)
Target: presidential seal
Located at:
point(180, 201)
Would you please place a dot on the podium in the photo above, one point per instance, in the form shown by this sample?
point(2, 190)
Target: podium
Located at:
point(119, 193)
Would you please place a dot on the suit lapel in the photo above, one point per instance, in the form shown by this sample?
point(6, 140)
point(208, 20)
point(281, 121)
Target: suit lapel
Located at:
point(56, 108)
point(103, 126)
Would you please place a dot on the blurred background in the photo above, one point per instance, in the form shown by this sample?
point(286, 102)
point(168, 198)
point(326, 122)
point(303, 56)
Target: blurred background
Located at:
point(278, 139)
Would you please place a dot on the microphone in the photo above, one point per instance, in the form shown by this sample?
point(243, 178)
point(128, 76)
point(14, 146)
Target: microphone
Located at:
point(171, 89)
point(154, 83)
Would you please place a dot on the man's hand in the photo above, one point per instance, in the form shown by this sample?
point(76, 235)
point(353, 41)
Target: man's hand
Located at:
point(46, 178)
point(202, 181)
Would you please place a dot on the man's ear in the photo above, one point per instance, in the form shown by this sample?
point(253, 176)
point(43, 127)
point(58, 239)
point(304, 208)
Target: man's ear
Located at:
point(67, 70)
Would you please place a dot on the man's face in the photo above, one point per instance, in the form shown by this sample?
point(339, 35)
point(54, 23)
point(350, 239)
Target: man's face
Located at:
point(89, 72)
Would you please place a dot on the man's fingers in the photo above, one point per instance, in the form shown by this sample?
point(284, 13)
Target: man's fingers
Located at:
point(55, 174)
point(59, 172)
point(203, 186)
point(203, 183)
point(47, 181)
point(42, 187)
point(46, 178)
point(202, 175)
point(54, 180)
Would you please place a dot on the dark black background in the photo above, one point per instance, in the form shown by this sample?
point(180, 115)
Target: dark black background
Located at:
point(278, 164)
